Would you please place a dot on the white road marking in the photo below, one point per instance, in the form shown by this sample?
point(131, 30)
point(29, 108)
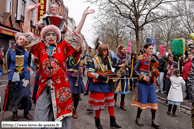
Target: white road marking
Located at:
point(2, 85)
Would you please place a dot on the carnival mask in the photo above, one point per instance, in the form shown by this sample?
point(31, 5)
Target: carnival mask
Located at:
point(51, 36)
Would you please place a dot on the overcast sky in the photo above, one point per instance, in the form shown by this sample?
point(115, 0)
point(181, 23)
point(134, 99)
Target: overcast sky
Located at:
point(76, 8)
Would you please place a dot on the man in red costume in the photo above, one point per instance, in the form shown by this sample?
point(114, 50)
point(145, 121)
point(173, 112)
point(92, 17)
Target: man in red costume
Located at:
point(54, 98)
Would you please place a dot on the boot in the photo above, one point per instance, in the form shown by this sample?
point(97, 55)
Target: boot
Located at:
point(97, 122)
point(123, 105)
point(155, 124)
point(28, 116)
point(90, 109)
point(15, 117)
point(86, 93)
point(80, 97)
point(113, 122)
point(138, 122)
point(74, 113)
point(173, 111)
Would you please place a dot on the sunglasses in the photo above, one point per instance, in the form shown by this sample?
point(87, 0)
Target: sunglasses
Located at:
point(54, 8)
point(53, 34)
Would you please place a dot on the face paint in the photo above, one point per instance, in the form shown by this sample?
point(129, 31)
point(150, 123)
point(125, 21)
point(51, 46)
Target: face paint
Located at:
point(51, 36)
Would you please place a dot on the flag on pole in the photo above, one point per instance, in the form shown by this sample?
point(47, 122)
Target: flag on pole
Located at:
point(126, 43)
point(152, 41)
point(128, 47)
point(162, 50)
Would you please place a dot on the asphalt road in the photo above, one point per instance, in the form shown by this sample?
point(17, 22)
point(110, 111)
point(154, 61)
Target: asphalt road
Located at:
point(126, 119)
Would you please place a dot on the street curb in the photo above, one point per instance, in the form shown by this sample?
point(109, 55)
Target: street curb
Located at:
point(183, 108)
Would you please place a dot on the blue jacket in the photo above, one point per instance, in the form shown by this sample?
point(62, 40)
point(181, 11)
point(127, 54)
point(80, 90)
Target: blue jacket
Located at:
point(118, 62)
point(98, 86)
point(11, 61)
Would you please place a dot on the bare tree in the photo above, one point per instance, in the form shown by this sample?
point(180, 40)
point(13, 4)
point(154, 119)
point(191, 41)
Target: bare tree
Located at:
point(138, 12)
point(166, 31)
point(111, 29)
point(185, 11)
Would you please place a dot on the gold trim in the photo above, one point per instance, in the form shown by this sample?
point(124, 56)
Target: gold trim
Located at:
point(74, 70)
point(140, 57)
point(5, 62)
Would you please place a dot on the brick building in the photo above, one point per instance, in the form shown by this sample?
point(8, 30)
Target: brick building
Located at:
point(12, 17)
point(11, 20)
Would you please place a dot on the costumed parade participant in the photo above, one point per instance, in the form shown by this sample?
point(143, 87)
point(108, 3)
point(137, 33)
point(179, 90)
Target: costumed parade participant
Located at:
point(101, 89)
point(121, 62)
point(17, 94)
point(36, 80)
point(146, 98)
point(132, 73)
point(89, 61)
point(53, 12)
point(54, 97)
point(161, 70)
point(168, 70)
point(1, 60)
point(190, 86)
point(83, 60)
point(74, 72)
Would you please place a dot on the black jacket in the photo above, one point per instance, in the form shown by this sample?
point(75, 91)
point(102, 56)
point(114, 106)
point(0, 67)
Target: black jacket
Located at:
point(190, 82)
point(165, 67)
point(161, 65)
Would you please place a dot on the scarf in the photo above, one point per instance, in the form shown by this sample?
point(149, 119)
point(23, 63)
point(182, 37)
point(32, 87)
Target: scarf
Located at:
point(106, 62)
point(19, 49)
point(122, 56)
point(170, 71)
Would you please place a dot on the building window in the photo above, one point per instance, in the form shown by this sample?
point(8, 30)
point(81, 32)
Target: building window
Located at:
point(9, 6)
point(32, 13)
point(11, 43)
point(23, 7)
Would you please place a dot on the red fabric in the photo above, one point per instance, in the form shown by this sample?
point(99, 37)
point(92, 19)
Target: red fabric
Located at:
point(143, 66)
point(6, 97)
point(34, 84)
point(55, 20)
point(111, 111)
point(186, 69)
point(99, 100)
point(75, 55)
point(97, 112)
point(90, 75)
point(63, 97)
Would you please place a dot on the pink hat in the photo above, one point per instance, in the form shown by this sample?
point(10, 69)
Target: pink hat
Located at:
point(53, 28)
point(17, 35)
